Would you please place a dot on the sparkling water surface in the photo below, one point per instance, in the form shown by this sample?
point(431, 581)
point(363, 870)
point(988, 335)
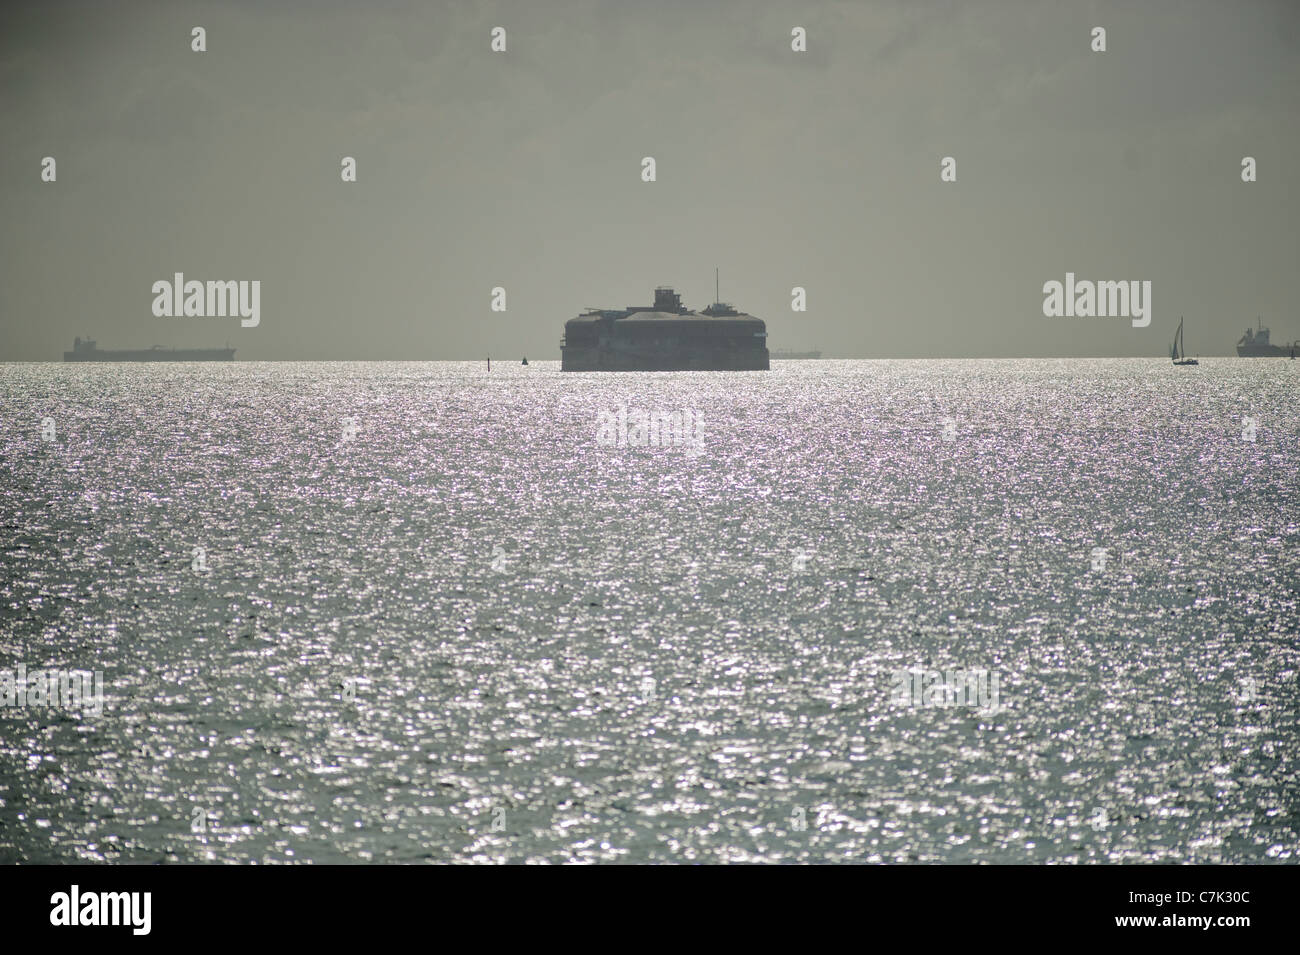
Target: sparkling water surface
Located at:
point(468, 632)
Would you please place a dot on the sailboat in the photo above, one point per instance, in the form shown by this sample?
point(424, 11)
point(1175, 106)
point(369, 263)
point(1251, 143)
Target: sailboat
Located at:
point(1176, 351)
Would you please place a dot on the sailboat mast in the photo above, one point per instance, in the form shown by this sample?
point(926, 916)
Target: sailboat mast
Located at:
point(1180, 356)
point(716, 296)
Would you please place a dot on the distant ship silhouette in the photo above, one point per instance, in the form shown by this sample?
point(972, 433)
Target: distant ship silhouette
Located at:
point(1255, 344)
point(782, 354)
point(85, 349)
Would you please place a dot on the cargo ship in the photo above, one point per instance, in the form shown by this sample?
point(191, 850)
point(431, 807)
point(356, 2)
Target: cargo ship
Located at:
point(782, 354)
point(1255, 344)
point(665, 336)
point(85, 349)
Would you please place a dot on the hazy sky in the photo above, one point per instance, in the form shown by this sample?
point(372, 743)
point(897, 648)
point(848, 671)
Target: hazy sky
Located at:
point(523, 170)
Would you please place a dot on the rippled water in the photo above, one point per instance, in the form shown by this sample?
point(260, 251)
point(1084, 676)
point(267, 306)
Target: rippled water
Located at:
point(465, 630)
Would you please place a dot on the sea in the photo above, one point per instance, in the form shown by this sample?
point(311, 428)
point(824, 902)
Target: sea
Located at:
point(1020, 611)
